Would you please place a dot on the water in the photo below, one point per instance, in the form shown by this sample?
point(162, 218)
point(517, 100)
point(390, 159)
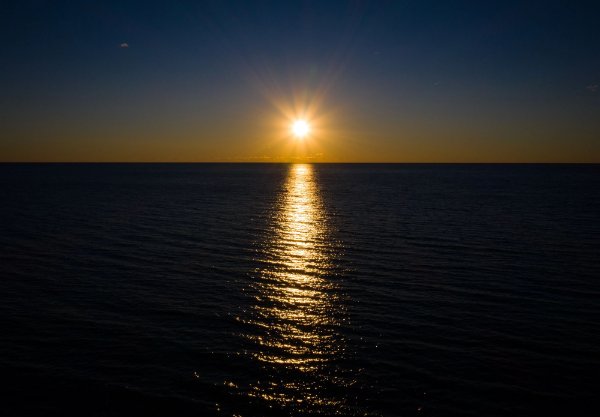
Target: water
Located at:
point(243, 290)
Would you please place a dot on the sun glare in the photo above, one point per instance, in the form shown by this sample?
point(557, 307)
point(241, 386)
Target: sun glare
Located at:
point(300, 128)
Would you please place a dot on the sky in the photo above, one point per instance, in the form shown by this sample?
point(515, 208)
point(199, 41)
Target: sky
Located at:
point(222, 81)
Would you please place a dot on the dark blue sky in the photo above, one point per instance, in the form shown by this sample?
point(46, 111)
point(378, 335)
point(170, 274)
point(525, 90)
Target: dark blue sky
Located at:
point(395, 81)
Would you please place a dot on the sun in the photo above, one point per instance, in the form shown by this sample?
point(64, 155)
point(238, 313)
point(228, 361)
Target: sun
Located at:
point(300, 128)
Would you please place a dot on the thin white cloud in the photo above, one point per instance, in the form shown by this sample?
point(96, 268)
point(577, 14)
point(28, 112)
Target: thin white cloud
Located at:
point(124, 45)
point(593, 87)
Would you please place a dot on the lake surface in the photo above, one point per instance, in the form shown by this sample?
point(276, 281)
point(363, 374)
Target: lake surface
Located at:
point(259, 290)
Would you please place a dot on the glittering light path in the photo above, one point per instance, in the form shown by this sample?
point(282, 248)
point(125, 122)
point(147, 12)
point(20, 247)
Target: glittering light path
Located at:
point(297, 310)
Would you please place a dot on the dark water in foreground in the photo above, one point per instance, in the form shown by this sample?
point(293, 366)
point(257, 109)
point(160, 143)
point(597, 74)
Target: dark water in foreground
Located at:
point(176, 290)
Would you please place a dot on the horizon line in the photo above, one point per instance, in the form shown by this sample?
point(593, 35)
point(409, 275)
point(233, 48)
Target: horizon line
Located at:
point(296, 162)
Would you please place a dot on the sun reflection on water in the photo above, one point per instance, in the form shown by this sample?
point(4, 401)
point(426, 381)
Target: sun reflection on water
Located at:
point(297, 310)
